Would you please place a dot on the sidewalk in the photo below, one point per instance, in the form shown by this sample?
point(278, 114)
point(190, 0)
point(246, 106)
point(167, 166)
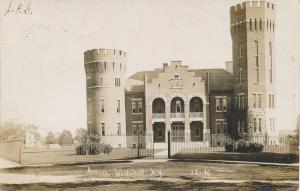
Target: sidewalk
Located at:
point(235, 162)
point(4, 163)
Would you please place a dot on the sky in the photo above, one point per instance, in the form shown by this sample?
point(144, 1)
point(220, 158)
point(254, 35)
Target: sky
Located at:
point(42, 69)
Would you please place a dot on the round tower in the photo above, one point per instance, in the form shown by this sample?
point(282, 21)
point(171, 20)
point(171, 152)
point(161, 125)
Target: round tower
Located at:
point(105, 75)
point(253, 27)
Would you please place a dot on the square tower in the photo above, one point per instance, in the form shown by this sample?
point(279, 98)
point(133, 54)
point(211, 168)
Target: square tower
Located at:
point(253, 47)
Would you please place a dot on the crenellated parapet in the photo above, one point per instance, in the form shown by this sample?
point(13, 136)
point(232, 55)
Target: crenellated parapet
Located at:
point(102, 55)
point(253, 16)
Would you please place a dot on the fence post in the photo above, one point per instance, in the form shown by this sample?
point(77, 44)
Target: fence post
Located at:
point(169, 145)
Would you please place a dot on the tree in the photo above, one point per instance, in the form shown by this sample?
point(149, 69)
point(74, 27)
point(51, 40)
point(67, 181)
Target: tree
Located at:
point(17, 131)
point(66, 138)
point(235, 114)
point(81, 134)
point(294, 139)
point(50, 139)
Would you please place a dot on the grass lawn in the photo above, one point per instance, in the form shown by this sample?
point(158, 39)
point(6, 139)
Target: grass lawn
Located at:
point(156, 176)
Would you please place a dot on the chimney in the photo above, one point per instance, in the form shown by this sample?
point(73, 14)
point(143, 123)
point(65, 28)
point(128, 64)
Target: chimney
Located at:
point(229, 66)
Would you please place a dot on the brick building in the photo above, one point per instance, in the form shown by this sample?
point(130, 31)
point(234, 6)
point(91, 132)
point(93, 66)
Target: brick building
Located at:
point(192, 104)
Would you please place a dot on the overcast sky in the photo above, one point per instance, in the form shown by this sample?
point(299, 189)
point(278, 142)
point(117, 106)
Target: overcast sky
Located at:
point(42, 70)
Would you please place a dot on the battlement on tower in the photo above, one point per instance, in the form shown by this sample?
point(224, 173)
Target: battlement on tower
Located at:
point(102, 54)
point(251, 4)
point(252, 9)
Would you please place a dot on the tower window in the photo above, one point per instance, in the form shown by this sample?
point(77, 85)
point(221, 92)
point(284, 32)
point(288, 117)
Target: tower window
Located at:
point(255, 24)
point(118, 106)
point(254, 100)
point(256, 62)
point(250, 24)
point(105, 65)
point(240, 76)
point(103, 129)
point(117, 82)
point(119, 129)
point(267, 24)
point(240, 51)
point(271, 60)
point(101, 105)
point(259, 124)
point(254, 124)
point(260, 24)
point(259, 100)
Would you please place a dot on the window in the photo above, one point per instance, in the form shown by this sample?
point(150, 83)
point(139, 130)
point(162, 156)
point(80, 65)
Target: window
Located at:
point(101, 105)
point(134, 129)
point(225, 126)
point(133, 107)
point(250, 24)
point(118, 129)
point(259, 124)
point(118, 106)
point(224, 104)
point(140, 128)
point(242, 125)
point(255, 24)
point(256, 62)
point(273, 104)
point(89, 106)
point(259, 100)
point(274, 124)
point(240, 76)
point(254, 100)
point(140, 107)
point(178, 106)
point(101, 81)
point(254, 125)
point(218, 105)
point(176, 76)
point(218, 125)
point(241, 101)
point(271, 127)
point(271, 62)
point(117, 82)
point(240, 51)
point(260, 24)
point(270, 100)
point(90, 127)
point(267, 24)
point(103, 129)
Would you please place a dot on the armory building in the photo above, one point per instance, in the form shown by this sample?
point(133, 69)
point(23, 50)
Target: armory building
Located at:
point(194, 105)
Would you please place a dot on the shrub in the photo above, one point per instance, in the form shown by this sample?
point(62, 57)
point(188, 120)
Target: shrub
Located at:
point(256, 147)
point(107, 149)
point(92, 145)
point(243, 147)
